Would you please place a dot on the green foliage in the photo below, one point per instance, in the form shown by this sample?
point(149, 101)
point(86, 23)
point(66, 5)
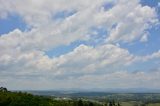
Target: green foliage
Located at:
point(2, 89)
point(80, 103)
point(22, 99)
point(8, 98)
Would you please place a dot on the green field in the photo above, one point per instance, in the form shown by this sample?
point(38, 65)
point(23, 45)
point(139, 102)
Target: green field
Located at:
point(155, 104)
point(138, 104)
point(8, 98)
point(126, 104)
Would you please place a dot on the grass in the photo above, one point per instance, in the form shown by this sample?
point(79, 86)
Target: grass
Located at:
point(133, 104)
point(126, 103)
point(154, 104)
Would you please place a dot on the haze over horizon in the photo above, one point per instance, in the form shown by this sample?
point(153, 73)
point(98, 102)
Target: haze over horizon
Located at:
point(83, 44)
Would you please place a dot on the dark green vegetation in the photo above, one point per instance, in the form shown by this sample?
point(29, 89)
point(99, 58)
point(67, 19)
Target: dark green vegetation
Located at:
point(8, 98)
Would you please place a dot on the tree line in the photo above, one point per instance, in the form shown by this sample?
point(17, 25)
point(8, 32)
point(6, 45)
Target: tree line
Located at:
point(8, 98)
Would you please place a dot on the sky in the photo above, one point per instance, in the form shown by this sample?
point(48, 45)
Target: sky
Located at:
point(79, 44)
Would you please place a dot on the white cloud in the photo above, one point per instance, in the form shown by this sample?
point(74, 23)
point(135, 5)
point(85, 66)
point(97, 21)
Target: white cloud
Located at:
point(132, 21)
point(158, 4)
point(84, 65)
point(23, 52)
point(155, 55)
point(144, 38)
point(85, 59)
point(120, 79)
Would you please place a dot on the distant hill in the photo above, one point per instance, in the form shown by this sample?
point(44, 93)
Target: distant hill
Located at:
point(91, 92)
point(8, 98)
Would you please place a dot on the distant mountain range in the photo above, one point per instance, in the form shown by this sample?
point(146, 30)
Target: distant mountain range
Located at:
point(91, 92)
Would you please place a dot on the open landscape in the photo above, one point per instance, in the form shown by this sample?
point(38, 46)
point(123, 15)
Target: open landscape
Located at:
point(68, 98)
point(79, 52)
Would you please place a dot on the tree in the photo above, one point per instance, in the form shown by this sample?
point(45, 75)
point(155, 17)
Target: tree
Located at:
point(135, 104)
point(2, 89)
point(110, 103)
point(91, 104)
point(113, 103)
point(119, 104)
point(143, 104)
point(80, 103)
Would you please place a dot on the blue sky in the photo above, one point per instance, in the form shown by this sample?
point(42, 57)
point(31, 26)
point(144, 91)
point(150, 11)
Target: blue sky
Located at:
point(10, 23)
point(103, 44)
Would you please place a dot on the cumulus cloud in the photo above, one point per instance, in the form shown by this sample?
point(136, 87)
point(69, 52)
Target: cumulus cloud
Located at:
point(132, 21)
point(83, 59)
point(60, 22)
point(125, 21)
point(144, 38)
point(84, 63)
point(120, 79)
